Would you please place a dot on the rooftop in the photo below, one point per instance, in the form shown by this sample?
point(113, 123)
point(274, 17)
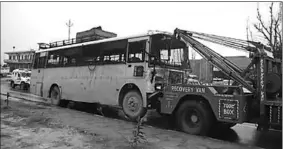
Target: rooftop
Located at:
point(18, 52)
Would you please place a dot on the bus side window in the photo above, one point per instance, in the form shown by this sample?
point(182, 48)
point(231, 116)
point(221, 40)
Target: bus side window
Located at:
point(70, 56)
point(136, 51)
point(114, 51)
point(42, 60)
point(53, 60)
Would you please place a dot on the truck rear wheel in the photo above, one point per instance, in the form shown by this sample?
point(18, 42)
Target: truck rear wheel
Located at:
point(133, 105)
point(194, 118)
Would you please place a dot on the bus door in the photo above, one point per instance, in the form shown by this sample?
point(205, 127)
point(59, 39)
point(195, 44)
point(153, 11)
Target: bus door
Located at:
point(38, 73)
point(136, 57)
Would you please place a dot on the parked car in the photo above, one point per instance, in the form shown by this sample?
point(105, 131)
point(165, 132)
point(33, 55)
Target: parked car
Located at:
point(4, 71)
point(21, 77)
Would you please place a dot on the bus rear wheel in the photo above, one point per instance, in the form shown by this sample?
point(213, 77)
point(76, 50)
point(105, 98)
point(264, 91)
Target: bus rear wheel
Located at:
point(133, 105)
point(194, 118)
point(55, 96)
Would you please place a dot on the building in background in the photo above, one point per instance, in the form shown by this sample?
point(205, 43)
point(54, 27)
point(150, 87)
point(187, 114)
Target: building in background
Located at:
point(206, 72)
point(241, 61)
point(19, 59)
point(202, 69)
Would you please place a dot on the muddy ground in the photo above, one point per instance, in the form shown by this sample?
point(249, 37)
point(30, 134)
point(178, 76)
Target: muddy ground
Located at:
point(27, 125)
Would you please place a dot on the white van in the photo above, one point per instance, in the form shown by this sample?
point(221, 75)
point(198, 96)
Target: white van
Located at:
point(21, 77)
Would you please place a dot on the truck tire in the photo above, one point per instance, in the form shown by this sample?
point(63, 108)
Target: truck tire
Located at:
point(55, 96)
point(194, 118)
point(133, 105)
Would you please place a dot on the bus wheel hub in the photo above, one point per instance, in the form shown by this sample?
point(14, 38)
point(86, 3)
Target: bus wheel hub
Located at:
point(194, 118)
point(132, 103)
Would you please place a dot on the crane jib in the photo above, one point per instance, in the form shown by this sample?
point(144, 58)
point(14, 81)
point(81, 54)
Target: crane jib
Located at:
point(215, 59)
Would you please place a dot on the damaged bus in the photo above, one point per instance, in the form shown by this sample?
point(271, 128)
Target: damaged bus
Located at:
point(119, 71)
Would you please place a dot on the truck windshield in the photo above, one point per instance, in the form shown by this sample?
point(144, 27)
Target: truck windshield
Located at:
point(169, 51)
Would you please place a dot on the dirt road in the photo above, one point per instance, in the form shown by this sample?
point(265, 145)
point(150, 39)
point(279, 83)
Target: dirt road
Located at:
point(28, 125)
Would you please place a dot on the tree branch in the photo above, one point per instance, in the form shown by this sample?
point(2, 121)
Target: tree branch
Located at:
point(279, 31)
point(271, 24)
point(276, 29)
point(262, 31)
point(260, 20)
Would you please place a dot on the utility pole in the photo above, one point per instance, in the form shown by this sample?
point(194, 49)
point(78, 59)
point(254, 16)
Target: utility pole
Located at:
point(69, 24)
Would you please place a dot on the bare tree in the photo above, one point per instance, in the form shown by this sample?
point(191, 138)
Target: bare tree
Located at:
point(271, 30)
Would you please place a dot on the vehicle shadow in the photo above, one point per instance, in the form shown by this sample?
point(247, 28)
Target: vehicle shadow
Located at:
point(268, 139)
point(225, 134)
point(152, 118)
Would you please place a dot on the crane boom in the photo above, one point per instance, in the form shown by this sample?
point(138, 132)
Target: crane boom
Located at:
point(229, 68)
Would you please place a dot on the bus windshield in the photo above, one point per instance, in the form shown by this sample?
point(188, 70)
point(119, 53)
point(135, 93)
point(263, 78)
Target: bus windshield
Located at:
point(169, 51)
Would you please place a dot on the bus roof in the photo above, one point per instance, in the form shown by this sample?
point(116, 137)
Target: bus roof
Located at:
point(149, 33)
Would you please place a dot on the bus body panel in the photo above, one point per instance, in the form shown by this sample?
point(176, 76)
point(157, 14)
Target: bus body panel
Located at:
point(101, 85)
point(37, 77)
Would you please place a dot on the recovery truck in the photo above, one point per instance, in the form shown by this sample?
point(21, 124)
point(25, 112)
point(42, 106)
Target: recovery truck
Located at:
point(198, 107)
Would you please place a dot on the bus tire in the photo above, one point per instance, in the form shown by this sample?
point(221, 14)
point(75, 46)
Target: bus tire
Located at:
point(194, 118)
point(132, 105)
point(55, 96)
point(13, 84)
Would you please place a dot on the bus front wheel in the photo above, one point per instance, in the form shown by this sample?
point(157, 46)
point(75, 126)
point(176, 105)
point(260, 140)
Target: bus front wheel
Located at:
point(55, 96)
point(133, 105)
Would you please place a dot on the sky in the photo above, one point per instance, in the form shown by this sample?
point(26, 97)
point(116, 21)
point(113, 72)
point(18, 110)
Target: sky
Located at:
point(24, 24)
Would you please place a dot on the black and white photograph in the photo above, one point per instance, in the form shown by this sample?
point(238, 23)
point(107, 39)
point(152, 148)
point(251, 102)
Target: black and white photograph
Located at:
point(141, 74)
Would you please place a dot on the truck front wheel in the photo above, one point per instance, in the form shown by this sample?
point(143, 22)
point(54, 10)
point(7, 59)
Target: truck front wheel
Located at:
point(194, 118)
